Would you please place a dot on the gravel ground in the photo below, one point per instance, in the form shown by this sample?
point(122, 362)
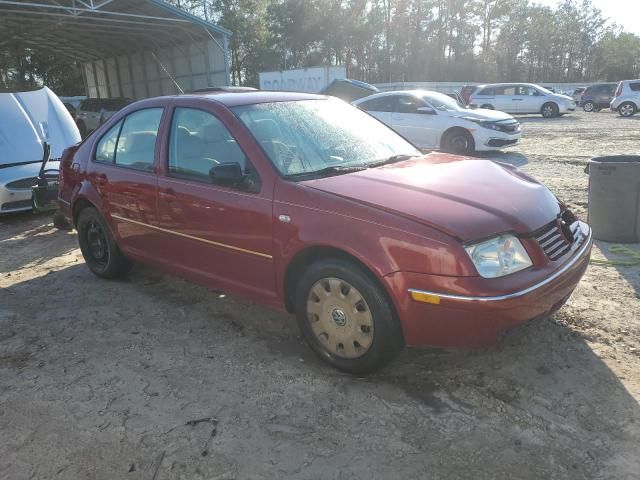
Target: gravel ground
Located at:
point(155, 378)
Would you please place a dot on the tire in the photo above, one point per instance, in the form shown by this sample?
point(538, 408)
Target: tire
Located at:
point(99, 249)
point(61, 222)
point(627, 109)
point(487, 106)
point(346, 317)
point(82, 128)
point(588, 106)
point(458, 141)
point(549, 110)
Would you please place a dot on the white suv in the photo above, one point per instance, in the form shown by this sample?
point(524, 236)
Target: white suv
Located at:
point(627, 99)
point(522, 98)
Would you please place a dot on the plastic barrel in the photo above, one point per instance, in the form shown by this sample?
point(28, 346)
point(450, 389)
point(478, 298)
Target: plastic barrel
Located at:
point(614, 198)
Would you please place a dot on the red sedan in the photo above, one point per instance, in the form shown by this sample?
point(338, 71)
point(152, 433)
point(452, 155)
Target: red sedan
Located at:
point(307, 203)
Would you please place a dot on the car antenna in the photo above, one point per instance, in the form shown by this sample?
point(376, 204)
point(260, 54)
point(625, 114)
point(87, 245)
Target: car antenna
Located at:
point(167, 72)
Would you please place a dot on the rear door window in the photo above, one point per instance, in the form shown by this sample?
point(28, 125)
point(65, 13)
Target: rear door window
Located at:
point(106, 150)
point(137, 141)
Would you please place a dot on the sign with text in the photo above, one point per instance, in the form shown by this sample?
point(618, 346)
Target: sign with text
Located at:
point(310, 80)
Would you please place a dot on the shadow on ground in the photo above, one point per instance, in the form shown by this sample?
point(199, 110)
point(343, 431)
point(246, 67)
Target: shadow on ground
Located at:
point(627, 263)
point(107, 380)
point(20, 232)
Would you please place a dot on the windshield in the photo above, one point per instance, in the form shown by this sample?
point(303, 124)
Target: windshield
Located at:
point(543, 90)
point(303, 137)
point(442, 102)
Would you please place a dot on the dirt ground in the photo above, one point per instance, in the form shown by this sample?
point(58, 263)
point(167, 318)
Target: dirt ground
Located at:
point(155, 378)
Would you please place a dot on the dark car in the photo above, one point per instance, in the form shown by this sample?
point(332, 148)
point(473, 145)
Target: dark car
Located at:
point(467, 91)
point(349, 90)
point(599, 96)
point(306, 203)
point(93, 112)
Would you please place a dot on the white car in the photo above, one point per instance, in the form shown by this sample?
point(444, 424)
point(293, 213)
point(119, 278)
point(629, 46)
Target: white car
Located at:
point(27, 120)
point(627, 99)
point(432, 120)
point(522, 98)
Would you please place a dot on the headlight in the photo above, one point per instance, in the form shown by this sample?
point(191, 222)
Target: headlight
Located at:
point(499, 256)
point(484, 123)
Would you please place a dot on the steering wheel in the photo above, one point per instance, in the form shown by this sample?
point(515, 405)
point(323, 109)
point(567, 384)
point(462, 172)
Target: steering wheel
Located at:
point(285, 155)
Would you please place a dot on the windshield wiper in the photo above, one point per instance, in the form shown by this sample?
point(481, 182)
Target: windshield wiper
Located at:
point(391, 159)
point(336, 169)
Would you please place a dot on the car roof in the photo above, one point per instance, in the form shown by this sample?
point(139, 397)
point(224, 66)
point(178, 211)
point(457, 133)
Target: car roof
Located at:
point(509, 84)
point(231, 99)
point(415, 92)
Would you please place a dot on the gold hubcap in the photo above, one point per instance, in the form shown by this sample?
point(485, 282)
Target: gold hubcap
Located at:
point(340, 318)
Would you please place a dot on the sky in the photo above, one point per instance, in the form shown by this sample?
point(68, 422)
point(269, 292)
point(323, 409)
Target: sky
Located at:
point(624, 12)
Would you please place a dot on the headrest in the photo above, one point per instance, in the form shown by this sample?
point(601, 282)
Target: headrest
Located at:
point(213, 133)
point(266, 130)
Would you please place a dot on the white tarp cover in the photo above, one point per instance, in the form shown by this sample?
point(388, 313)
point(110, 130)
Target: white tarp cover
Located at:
point(27, 119)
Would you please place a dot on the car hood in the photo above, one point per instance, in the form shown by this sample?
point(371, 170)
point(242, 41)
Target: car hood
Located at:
point(563, 97)
point(469, 199)
point(483, 114)
point(27, 119)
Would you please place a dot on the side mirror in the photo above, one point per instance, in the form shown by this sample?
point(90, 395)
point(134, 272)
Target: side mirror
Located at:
point(426, 111)
point(226, 174)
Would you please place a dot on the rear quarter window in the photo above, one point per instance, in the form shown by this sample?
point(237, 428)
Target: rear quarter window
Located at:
point(487, 92)
point(635, 86)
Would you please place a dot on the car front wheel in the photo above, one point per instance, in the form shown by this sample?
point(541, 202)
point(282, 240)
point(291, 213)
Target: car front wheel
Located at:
point(346, 317)
point(458, 141)
point(627, 109)
point(549, 110)
point(99, 249)
point(588, 106)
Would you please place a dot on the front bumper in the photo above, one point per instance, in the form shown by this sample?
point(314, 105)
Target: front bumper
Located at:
point(458, 312)
point(486, 139)
point(14, 200)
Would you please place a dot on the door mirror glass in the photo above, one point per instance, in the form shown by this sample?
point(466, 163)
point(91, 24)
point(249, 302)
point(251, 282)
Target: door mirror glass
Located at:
point(426, 110)
point(228, 174)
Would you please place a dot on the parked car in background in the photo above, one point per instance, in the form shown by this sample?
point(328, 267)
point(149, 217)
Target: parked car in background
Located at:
point(577, 94)
point(522, 98)
point(305, 202)
point(627, 98)
point(466, 92)
point(432, 120)
point(27, 121)
point(93, 112)
point(349, 90)
point(596, 97)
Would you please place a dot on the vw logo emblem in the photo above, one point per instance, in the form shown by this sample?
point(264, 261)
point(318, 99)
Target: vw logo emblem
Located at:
point(339, 317)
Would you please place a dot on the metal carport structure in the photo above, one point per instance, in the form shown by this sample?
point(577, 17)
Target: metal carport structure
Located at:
point(127, 48)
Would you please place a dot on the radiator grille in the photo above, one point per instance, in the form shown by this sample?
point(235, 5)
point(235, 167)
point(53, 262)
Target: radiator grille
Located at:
point(557, 238)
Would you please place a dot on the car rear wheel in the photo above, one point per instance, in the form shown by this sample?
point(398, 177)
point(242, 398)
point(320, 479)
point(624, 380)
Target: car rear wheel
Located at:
point(549, 110)
point(346, 317)
point(627, 109)
point(588, 106)
point(99, 249)
point(458, 141)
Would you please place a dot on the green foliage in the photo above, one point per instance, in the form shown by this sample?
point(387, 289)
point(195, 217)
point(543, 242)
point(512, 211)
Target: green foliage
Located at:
point(395, 40)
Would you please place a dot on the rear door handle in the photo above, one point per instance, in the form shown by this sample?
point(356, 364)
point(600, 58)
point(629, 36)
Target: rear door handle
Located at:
point(168, 195)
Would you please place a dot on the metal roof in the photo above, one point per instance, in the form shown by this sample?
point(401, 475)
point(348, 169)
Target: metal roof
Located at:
point(87, 30)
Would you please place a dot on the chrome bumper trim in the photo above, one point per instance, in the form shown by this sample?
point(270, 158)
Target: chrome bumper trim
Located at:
point(519, 293)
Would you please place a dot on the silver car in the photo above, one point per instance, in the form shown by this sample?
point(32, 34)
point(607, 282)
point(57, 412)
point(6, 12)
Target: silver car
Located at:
point(27, 121)
point(522, 98)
